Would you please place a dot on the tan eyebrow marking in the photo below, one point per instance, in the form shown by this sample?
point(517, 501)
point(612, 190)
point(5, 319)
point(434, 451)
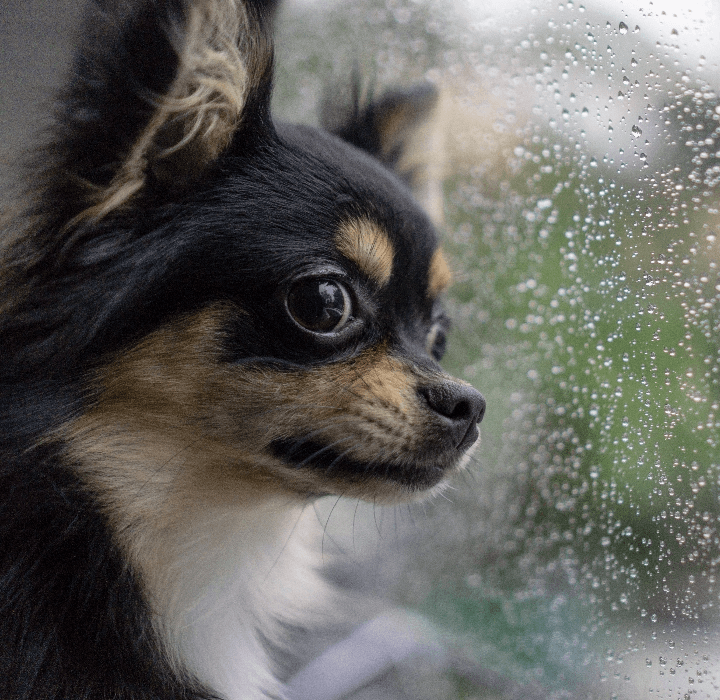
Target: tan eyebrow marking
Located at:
point(439, 274)
point(368, 246)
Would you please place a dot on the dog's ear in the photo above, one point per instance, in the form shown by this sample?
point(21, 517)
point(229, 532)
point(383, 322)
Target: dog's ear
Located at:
point(399, 129)
point(158, 90)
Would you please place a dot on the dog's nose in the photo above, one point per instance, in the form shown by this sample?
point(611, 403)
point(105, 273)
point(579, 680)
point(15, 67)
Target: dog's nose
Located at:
point(461, 406)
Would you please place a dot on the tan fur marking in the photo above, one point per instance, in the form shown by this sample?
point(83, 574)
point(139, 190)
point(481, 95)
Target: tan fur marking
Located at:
point(439, 274)
point(222, 56)
point(174, 423)
point(368, 246)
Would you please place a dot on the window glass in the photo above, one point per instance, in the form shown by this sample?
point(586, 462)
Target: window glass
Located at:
point(579, 145)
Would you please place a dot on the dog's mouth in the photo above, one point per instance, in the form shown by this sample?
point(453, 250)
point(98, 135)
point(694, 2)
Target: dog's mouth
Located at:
point(415, 474)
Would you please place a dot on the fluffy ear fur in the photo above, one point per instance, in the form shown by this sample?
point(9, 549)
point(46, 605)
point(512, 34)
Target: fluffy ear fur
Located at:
point(158, 91)
point(399, 129)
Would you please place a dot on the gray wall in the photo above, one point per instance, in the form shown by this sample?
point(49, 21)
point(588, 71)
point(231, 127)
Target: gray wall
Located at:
point(34, 54)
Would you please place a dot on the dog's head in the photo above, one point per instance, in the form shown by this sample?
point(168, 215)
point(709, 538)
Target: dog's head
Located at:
point(264, 295)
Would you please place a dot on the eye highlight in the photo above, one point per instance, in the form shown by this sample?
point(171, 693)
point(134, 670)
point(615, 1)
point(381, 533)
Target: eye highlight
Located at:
point(319, 304)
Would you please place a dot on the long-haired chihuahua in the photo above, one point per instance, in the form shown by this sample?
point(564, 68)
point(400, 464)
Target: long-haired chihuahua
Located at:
point(208, 319)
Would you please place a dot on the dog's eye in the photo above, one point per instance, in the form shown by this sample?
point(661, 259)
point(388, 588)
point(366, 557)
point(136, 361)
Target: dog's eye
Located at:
point(319, 304)
point(436, 342)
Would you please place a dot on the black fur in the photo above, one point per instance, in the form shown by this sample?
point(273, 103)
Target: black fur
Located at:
point(73, 622)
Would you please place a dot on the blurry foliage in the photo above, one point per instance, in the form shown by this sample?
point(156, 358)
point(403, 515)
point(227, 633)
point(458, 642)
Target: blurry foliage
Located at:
point(531, 641)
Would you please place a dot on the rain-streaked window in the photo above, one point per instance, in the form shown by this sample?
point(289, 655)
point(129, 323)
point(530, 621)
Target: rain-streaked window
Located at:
point(576, 149)
point(580, 155)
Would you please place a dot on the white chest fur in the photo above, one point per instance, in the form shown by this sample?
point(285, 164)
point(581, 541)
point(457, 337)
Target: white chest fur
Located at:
point(231, 579)
point(222, 564)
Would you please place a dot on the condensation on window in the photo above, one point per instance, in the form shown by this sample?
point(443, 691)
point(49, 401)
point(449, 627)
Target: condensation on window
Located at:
point(580, 154)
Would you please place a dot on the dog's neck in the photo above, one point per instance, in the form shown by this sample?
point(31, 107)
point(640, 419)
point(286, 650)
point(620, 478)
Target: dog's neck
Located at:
point(221, 572)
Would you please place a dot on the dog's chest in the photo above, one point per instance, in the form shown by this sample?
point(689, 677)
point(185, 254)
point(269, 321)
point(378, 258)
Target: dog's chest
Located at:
point(230, 582)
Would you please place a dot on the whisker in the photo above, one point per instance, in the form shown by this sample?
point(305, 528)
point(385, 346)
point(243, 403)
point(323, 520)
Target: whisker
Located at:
point(410, 516)
point(320, 451)
point(163, 465)
point(357, 505)
point(287, 540)
point(377, 527)
point(325, 533)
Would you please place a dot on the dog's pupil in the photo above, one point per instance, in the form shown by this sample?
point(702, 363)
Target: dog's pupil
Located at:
point(317, 304)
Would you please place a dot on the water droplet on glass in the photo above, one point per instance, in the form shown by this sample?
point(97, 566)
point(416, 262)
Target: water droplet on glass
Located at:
point(623, 28)
point(636, 130)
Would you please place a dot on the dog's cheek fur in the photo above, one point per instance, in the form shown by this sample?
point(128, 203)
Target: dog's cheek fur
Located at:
point(209, 521)
point(184, 421)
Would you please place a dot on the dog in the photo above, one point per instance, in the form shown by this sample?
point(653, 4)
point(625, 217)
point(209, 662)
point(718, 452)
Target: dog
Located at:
point(208, 320)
